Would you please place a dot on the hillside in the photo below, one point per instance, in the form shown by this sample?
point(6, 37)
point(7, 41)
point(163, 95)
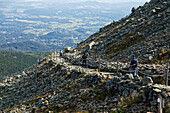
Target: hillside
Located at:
point(64, 84)
point(54, 85)
point(12, 62)
point(145, 33)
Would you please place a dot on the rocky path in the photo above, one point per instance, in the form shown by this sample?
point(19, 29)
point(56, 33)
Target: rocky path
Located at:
point(80, 68)
point(118, 66)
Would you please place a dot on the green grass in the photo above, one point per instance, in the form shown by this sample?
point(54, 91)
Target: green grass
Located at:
point(12, 62)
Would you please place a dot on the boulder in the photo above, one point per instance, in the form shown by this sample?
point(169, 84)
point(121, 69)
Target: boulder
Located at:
point(67, 49)
point(129, 76)
point(74, 74)
point(147, 80)
point(134, 9)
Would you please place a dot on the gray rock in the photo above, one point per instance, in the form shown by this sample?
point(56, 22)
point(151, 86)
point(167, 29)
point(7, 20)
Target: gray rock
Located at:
point(134, 9)
point(74, 74)
point(67, 49)
point(129, 76)
point(147, 80)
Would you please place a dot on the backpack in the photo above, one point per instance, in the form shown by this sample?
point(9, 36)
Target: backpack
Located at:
point(84, 56)
point(134, 63)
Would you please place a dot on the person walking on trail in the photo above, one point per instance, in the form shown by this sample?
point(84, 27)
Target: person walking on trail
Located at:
point(84, 58)
point(133, 66)
point(61, 53)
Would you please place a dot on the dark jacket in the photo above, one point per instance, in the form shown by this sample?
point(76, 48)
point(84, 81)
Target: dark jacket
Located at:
point(84, 56)
point(134, 63)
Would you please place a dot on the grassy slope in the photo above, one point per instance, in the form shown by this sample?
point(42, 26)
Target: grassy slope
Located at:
point(11, 62)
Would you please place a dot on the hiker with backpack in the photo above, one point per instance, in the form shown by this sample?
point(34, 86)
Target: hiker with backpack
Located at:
point(133, 66)
point(61, 53)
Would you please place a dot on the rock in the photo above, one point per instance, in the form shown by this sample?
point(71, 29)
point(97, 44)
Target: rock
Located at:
point(73, 51)
point(18, 76)
point(74, 74)
point(150, 58)
point(134, 9)
point(152, 12)
point(67, 49)
point(157, 90)
point(147, 80)
point(129, 76)
point(158, 9)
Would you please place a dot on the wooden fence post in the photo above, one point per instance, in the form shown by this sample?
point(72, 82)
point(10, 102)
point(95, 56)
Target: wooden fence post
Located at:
point(160, 103)
point(117, 66)
point(51, 81)
point(79, 61)
point(36, 76)
point(99, 63)
point(166, 78)
point(86, 64)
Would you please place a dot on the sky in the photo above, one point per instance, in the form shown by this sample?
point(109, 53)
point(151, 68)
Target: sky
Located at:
point(118, 1)
point(111, 1)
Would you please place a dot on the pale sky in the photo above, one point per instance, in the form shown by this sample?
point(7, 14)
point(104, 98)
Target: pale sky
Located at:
point(111, 1)
point(118, 1)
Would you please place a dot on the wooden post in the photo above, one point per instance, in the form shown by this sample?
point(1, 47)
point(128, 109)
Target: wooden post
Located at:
point(48, 67)
point(86, 63)
point(55, 56)
point(160, 104)
point(117, 66)
point(99, 63)
point(36, 76)
point(51, 81)
point(166, 78)
point(107, 66)
point(79, 61)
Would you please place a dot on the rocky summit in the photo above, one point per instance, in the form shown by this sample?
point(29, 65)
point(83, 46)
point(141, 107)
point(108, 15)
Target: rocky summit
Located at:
point(104, 84)
point(145, 33)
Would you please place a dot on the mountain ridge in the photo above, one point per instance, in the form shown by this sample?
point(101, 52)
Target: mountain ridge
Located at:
point(64, 84)
point(127, 36)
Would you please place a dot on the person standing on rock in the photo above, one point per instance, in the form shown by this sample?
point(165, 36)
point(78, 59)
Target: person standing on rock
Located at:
point(84, 58)
point(61, 53)
point(133, 66)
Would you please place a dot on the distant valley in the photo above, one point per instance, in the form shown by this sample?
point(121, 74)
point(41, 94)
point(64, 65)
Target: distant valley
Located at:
point(53, 24)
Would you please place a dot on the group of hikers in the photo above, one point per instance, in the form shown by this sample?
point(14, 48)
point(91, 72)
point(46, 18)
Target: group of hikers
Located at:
point(133, 64)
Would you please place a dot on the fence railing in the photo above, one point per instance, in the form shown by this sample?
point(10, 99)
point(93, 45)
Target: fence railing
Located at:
point(117, 68)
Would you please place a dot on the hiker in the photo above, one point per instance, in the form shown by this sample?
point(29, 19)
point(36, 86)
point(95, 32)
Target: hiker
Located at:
point(61, 53)
point(84, 57)
point(133, 66)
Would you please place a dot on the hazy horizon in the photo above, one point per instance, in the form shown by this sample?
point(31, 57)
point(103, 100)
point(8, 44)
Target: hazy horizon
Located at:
point(67, 1)
point(56, 22)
